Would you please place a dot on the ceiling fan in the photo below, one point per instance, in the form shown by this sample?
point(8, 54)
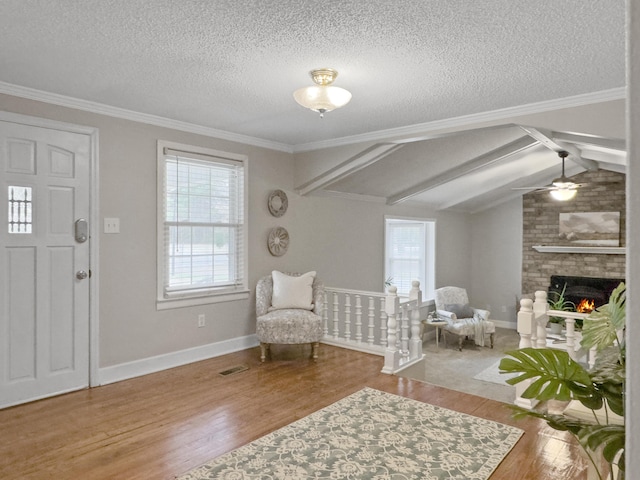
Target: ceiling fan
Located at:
point(561, 188)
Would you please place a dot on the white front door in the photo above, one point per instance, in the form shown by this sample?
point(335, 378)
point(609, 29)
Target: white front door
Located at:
point(44, 262)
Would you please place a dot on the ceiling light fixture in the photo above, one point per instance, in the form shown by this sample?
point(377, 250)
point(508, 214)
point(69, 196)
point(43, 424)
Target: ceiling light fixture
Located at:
point(563, 189)
point(323, 97)
point(562, 193)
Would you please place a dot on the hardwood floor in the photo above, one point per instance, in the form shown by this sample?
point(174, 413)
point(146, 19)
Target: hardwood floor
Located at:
point(161, 425)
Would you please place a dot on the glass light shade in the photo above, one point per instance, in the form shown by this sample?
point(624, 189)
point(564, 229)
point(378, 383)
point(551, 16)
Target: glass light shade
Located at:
point(563, 194)
point(322, 98)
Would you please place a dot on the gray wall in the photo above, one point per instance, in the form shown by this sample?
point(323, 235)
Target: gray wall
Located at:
point(496, 265)
point(341, 239)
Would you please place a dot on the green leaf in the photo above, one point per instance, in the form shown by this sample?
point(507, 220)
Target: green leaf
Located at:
point(601, 327)
point(610, 437)
point(590, 435)
point(555, 375)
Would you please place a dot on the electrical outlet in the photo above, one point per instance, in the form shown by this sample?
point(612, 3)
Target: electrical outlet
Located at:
point(201, 321)
point(504, 309)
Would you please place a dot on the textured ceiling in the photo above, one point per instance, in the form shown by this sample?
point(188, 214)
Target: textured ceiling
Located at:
point(233, 65)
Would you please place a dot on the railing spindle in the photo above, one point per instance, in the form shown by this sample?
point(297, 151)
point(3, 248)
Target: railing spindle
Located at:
point(570, 325)
point(404, 330)
point(336, 316)
point(347, 317)
point(325, 315)
point(372, 319)
point(383, 322)
point(358, 319)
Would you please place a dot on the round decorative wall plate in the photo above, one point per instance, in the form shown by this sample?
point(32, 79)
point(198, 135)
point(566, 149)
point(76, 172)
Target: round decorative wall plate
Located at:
point(278, 241)
point(278, 203)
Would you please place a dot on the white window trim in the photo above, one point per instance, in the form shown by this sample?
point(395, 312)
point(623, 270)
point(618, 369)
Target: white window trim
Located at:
point(428, 287)
point(207, 297)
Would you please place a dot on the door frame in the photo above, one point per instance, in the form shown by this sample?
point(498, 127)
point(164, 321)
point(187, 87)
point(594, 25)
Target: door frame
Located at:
point(94, 225)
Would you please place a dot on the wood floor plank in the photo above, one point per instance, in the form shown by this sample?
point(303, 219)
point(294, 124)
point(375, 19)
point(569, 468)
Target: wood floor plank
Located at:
point(161, 425)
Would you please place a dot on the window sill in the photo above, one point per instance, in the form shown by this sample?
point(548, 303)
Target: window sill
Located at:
point(204, 300)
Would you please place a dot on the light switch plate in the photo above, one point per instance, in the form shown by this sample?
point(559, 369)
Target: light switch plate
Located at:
point(111, 225)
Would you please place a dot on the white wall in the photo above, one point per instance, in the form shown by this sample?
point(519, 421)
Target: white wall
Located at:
point(341, 239)
point(496, 265)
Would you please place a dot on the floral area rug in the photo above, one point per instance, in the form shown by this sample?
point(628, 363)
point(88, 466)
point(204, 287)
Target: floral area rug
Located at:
point(370, 435)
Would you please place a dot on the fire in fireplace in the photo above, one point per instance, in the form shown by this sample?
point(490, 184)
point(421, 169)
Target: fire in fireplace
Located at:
point(585, 306)
point(587, 293)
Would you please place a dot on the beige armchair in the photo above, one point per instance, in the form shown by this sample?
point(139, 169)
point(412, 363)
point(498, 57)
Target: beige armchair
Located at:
point(452, 306)
point(289, 311)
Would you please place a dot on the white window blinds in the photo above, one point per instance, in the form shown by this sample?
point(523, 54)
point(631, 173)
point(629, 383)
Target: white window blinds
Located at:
point(203, 225)
point(409, 253)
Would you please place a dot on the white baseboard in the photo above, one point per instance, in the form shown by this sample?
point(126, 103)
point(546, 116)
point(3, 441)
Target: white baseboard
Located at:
point(504, 324)
point(137, 368)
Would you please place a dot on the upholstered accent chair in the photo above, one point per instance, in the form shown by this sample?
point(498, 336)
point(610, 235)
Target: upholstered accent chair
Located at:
point(289, 311)
point(452, 306)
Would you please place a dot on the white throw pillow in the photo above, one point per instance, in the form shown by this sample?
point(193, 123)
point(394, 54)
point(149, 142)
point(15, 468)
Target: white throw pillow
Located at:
point(292, 292)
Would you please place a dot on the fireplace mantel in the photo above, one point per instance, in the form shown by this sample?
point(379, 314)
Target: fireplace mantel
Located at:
point(579, 249)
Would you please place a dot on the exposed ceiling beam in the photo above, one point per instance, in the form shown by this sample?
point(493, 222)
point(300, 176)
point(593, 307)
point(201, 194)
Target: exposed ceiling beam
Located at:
point(611, 167)
point(363, 159)
point(504, 190)
point(545, 137)
point(465, 168)
point(611, 156)
point(607, 143)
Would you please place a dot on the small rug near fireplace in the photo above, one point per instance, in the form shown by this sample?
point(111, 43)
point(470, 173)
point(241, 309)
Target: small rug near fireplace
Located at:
point(373, 435)
point(492, 374)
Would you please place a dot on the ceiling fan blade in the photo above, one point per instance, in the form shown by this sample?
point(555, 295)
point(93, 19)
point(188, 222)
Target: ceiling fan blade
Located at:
point(546, 187)
point(550, 187)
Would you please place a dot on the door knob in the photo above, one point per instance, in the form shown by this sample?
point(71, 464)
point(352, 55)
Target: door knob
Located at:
point(81, 275)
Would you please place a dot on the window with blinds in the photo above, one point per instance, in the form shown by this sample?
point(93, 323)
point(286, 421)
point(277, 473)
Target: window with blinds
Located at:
point(201, 224)
point(410, 254)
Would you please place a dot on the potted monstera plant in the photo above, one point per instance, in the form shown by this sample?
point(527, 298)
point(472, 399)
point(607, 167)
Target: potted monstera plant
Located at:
point(555, 376)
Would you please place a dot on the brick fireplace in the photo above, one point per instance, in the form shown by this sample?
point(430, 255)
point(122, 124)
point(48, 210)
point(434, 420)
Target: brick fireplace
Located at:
point(605, 192)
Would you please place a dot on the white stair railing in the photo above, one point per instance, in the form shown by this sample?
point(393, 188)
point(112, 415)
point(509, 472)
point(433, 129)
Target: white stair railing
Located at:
point(392, 327)
point(533, 317)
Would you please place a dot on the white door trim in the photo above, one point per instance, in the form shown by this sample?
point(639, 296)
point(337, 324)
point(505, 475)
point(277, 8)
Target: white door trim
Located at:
point(94, 226)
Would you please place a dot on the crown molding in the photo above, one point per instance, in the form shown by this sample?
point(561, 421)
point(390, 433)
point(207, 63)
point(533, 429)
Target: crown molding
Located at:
point(123, 113)
point(422, 129)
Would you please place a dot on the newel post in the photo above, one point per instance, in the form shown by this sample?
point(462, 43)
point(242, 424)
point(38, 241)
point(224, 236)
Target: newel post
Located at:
point(415, 295)
point(525, 322)
point(391, 354)
point(526, 328)
point(540, 308)
point(570, 326)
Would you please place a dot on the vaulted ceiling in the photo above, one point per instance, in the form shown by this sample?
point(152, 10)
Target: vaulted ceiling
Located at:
point(453, 102)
